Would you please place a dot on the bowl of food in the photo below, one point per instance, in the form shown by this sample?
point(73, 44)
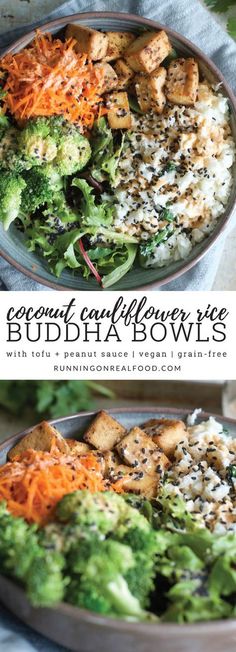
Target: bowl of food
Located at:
point(119, 528)
point(117, 153)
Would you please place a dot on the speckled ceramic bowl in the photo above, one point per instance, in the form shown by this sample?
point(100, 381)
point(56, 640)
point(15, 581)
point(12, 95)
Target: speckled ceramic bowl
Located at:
point(12, 245)
point(83, 631)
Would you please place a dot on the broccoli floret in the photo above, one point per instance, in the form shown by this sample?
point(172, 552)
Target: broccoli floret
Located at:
point(36, 143)
point(99, 511)
point(41, 184)
point(141, 578)
point(24, 556)
point(18, 544)
point(87, 597)
point(73, 151)
point(45, 584)
point(104, 512)
point(101, 585)
point(92, 517)
point(11, 189)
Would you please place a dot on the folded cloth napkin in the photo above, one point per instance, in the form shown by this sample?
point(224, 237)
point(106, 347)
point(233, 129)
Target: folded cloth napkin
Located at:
point(191, 19)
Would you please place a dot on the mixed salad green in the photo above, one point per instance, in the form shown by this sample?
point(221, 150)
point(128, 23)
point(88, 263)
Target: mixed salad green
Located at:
point(123, 557)
point(51, 185)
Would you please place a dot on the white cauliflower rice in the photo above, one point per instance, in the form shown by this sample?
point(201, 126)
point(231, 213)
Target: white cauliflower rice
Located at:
point(200, 475)
point(181, 161)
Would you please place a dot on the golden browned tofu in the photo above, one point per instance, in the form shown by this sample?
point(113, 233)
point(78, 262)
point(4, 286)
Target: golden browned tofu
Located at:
point(137, 481)
point(104, 432)
point(108, 79)
point(166, 433)
point(40, 439)
point(118, 42)
point(90, 42)
point(78, 447)
point(124, 73)
point(139, 451)
point(182, 81)
point(119, 116)
point(149, 90)
point(100, 459)
point(111, 462)
point(148, 51)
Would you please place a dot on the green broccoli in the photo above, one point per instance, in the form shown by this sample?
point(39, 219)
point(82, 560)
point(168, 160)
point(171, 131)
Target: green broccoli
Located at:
point(103, 512)
point(11, 188)
point(40, 185)
point(99, 511)
point(141, 578)
point(35, 142)
point(10, 157)
point(101, 585)
point(4, 122)
point(90, 517)
point(23, 556)
point(73, 150)
point(45, 584)
point(18, 544)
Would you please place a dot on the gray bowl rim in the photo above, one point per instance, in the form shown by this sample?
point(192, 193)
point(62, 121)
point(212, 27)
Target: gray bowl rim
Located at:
point(223, 222)
point(169, 629)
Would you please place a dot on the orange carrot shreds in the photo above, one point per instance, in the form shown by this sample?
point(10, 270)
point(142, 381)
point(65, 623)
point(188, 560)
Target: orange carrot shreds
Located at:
point(35, 481)
point(50, 78)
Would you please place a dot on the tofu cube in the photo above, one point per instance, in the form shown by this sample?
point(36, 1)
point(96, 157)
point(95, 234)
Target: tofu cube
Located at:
point(166, 433)
point(112, 460)
point(148, 51)
point(118, 42)
point(149, 90)
point(139, 451)
point(136, 482)
point(119, 116)
point(78, 447)
point(104, 432)
point(125, 74)
point(182, 81)
point(107, 77)
point(90, 42)
point(40, 439)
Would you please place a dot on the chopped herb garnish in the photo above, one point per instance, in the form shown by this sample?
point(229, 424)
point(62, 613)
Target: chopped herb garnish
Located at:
point(167, 215)
point(134, 105)
point(170, 166)
point(150, 245)
point(231, 473)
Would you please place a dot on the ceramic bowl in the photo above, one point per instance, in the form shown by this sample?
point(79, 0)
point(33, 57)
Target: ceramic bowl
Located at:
point(12, 246)
point(83, 631)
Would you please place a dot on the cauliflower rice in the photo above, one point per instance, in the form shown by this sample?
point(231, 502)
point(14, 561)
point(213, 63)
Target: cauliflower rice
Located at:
point(180, 159)
point(200, 475)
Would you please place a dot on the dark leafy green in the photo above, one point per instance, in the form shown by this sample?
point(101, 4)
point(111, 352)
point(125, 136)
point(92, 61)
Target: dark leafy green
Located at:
point(50, 398)
point(150, 245)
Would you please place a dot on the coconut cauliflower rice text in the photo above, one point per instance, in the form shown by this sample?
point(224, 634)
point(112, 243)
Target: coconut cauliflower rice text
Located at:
point(180, 160)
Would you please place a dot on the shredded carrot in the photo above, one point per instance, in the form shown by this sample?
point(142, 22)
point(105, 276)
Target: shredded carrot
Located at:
point(36, 480)
point(50, 78)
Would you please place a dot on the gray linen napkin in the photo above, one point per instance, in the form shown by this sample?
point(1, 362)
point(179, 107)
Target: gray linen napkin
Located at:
point(191, 19)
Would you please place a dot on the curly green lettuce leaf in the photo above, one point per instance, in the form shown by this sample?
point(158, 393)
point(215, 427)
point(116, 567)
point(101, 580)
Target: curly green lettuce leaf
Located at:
point(129, 255)
point(105, 153)
point(92, 213)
